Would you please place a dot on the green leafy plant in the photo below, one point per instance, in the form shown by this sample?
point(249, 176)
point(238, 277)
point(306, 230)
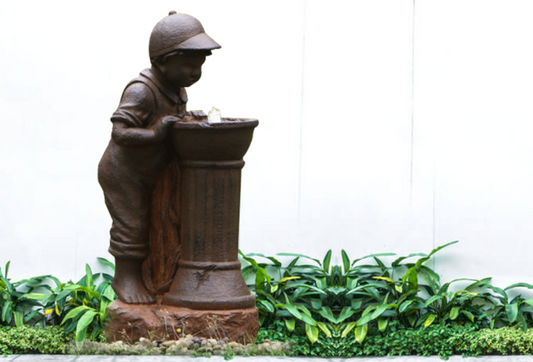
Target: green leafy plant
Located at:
point(16, 309)
point(81, 306)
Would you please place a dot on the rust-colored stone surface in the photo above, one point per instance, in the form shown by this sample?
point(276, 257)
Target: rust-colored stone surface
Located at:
point(129, 322)
point(172, 182)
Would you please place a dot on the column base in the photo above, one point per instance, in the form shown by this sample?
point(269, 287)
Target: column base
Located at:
point(129, 322)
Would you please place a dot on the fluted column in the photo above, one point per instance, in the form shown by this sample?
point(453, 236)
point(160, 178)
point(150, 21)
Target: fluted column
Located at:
point(208, 275)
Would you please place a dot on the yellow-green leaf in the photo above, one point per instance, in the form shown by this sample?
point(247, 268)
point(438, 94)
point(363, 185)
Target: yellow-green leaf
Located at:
point(360, 333)
point(290, 323)
point(385, 278)
point(324, 329)
point(288, 278)
point(429, 320)
point(468, 315)
point(312, 332)
point(454, 313)
point(382, 324)
point(348, 329)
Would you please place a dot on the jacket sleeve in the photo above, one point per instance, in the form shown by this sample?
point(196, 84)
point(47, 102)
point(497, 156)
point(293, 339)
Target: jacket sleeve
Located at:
point(136, 106)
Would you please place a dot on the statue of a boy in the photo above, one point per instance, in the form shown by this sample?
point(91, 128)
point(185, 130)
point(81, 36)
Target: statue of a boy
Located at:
point(140, 151)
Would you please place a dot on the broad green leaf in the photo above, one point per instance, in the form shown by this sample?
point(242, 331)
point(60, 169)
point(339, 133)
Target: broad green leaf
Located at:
point(520, 285)
point(19, 318)
point(276, 262)
point(469, 315)
point(420, 261)
point(307, 286)
point(266, 295)
point(306, 316)
point(312, 332)
point(292, 310)
point(372, 256)
point(316, 303)
point(522, 321)
point(346, 313)
point(360, 333)
point(75, 313)
point(512, 311)
point(483, 283)
point(529, 301)
point(429, 320)
point(431, 277)
point(348, 329)
point(380, 309)
point(268, 306)
point(433, 299)
point(84, 322)
point(106, 263)
point(364, 319)
point(406, 295)
point(326, 262)
point(412, 277)
point(357, 303)
point(405, 305)
point(36, 296)
point(31, 315)
point(301, 256)
point(7, 314)
point(324, 329)
point(398, 288)
point(89, 276)
point(109, 294)
point(382, 324)
point(412, 319)
point(260, 277)
point(345, 261)
point(326, 313)
point(290, 323)
point(397, 262)
point(454, 313)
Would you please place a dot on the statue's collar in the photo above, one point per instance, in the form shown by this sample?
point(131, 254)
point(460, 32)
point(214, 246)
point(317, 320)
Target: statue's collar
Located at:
point(179, 97)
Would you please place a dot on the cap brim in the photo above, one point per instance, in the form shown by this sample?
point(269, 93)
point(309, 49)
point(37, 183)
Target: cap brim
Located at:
point(201, 41)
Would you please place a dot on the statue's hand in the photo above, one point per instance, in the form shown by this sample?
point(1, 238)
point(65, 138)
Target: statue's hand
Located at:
point(163, 125)
point(170, 120)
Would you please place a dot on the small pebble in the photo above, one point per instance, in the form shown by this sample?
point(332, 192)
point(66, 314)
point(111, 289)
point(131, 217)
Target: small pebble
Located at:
point(233, 344)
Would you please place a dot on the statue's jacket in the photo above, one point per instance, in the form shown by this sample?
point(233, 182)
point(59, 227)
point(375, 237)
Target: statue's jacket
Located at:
point(129, 175)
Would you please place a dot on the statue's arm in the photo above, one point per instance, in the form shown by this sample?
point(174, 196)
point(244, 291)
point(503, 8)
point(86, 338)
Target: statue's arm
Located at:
point(126, 136)
point(133, 114)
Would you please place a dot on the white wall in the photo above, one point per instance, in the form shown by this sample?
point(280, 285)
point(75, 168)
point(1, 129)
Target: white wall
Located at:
point(385, 125)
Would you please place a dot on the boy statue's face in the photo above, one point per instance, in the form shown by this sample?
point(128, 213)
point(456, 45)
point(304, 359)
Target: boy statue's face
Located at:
point(183, 70)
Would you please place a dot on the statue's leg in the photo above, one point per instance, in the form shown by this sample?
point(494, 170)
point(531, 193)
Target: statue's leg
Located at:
point(129, 206)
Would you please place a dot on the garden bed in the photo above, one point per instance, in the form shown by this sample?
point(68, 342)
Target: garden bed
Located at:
point(307, 307)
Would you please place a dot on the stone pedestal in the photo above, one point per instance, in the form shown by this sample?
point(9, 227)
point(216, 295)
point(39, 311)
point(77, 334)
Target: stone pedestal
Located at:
point(128, 322)
point(210, 160)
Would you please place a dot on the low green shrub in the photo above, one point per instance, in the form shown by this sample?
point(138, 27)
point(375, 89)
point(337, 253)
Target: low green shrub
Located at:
point(502, 341)
point(48, 340)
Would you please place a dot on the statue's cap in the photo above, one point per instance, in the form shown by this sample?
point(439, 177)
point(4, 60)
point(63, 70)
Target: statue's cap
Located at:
point(179, 31)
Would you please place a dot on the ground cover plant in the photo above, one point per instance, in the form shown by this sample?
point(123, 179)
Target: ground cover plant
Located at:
point(380, 304)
